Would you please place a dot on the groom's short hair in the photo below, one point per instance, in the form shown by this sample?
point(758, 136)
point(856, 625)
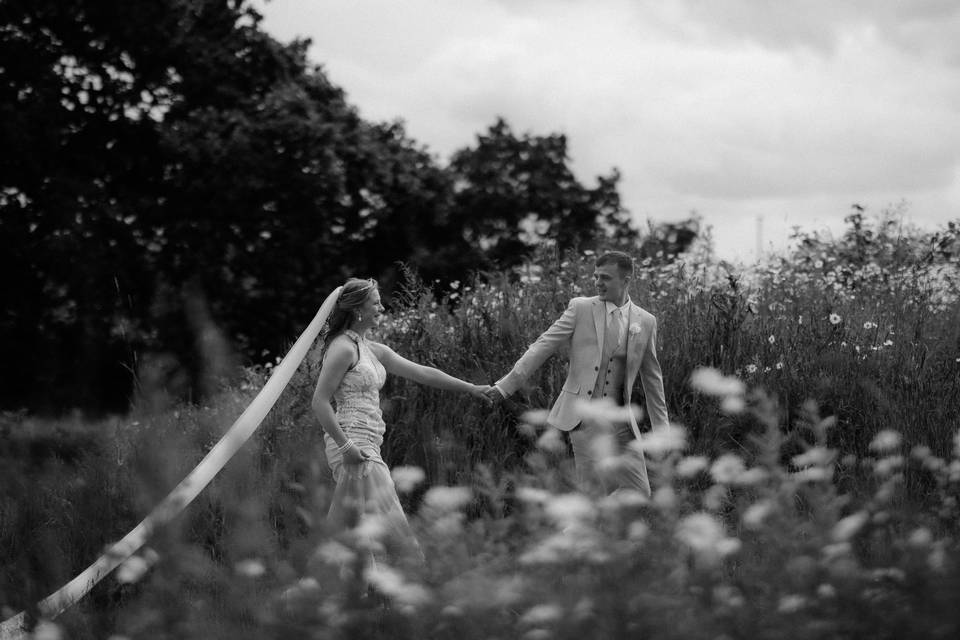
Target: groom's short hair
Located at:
point(623, 261)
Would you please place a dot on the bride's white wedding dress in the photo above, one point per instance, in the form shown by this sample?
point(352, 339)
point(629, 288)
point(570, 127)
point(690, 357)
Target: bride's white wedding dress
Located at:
point(367, 488)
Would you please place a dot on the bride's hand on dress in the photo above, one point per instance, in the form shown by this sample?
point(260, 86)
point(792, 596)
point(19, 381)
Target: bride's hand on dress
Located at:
point(354, 455)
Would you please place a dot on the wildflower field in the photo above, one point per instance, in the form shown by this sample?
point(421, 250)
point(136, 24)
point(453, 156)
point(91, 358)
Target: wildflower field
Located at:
point(808, 487)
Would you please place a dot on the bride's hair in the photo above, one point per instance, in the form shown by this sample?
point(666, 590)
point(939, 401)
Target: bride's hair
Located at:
point(355, 292)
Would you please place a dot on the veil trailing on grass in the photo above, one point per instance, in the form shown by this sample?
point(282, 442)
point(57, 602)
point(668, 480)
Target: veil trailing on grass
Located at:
point(189, 488)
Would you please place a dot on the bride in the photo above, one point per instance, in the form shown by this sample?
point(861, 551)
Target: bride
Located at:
point(347, 404)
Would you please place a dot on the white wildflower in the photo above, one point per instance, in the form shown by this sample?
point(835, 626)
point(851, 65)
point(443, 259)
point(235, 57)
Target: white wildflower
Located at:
point(751, 368)
point(886, 440)
point(814, 457)
point(756, 514)
point(132, 570)
point(335, 553)
point(391, 583)
point(551, 441)
point(937, 559)
point(662, 440)
point(250, 567)
point(728, 595)
point(605, 411)
point(570, 508)
point(706, 537)
point(791, 603)
point(733, 405)
point(711, 382)
point(665, 497)
point(447, 498)
point(638, 530)
point(813, 474)
point(728, 546)
point(533, 495)
point(691, 466)
point(700, 531)
point(848, 527)
point(726, 468)
point(715, 497)
point(573, 544)
point(542, 614)
point(887, 465)
point(370, 529)
point(45, 630)
point(407, 478)
point(835, 318)
point(921, 452)
point(536, 417)
point(752, 476)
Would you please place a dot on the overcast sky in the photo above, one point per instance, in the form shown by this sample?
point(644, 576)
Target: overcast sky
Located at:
point(737, 109)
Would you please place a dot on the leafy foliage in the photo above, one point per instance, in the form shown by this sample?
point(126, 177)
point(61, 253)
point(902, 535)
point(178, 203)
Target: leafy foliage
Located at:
point(160, 157)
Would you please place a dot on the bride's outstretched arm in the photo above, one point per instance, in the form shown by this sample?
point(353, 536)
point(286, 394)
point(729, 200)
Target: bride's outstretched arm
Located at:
point(430, 376)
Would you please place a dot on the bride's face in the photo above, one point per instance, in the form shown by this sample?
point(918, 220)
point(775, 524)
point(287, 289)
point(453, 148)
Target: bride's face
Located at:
point(371, 310)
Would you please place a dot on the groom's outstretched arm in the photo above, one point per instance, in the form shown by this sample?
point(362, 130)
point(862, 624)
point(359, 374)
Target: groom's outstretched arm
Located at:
point(536, 354)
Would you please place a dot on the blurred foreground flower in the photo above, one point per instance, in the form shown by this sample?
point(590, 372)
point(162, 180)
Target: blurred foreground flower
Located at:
point(391, 583)
point(814, 457)
point(606, 411)
point(756, 514)
point(713, 383)
point(250, 567)
point(884, 441)
point(727, 468)
point(407, 478)
point(692, 465)
point(571, 509)
point(541, 614)
point(706, 537)
point(135, 567)
point(447, 498)
point(660, 441)
point(848, 527)
point(46, 630)
point(551, 441)
point(574, 544)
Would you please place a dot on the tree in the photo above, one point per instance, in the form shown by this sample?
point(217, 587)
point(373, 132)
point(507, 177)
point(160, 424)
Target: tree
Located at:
point(512, 193)
point(84, 88)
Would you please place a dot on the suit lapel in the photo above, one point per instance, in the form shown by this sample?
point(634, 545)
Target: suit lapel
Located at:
point(599, 309)
point(634, 343)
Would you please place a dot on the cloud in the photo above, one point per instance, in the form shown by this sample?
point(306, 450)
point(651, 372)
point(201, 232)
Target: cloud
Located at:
point(791, 111)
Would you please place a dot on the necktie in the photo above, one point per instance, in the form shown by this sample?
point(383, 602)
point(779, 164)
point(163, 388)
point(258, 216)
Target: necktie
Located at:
point(611, 339)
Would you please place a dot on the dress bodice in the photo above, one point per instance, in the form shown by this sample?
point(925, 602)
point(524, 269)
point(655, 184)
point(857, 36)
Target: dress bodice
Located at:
point(357, 398)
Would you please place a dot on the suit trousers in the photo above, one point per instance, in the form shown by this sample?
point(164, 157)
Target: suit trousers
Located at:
point(603, 460)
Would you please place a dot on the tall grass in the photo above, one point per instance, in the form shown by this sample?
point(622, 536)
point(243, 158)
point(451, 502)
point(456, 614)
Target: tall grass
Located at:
point(819, 502)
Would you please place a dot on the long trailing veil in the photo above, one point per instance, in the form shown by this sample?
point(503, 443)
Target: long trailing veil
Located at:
point(189, 488)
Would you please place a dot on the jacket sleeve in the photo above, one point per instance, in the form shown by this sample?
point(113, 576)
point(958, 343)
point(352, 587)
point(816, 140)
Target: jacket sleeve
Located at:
point(559, 333)
point(652, 380)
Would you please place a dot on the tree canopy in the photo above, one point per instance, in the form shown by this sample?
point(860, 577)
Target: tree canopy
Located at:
point(152, 154)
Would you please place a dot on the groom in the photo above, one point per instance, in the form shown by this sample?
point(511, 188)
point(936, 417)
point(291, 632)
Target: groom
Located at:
point(611, 342)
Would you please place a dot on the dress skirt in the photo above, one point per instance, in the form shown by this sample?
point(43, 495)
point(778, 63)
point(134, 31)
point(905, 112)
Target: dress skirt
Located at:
point(367, 492)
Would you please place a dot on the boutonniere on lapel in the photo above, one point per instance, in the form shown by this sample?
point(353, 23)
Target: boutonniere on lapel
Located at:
point(635, 328)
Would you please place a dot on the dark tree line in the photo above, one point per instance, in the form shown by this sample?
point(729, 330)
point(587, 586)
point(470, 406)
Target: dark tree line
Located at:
point(153, 154)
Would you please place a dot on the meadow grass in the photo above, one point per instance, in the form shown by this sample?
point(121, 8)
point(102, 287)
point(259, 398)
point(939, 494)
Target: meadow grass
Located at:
point(818, 499)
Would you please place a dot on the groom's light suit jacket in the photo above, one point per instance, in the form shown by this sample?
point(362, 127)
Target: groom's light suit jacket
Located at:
point(582, 327)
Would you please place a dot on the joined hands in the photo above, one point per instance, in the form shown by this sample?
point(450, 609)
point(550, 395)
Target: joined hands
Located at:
point(482, 392)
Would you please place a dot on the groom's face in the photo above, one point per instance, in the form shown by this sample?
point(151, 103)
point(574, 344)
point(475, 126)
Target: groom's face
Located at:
point(611, 284)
